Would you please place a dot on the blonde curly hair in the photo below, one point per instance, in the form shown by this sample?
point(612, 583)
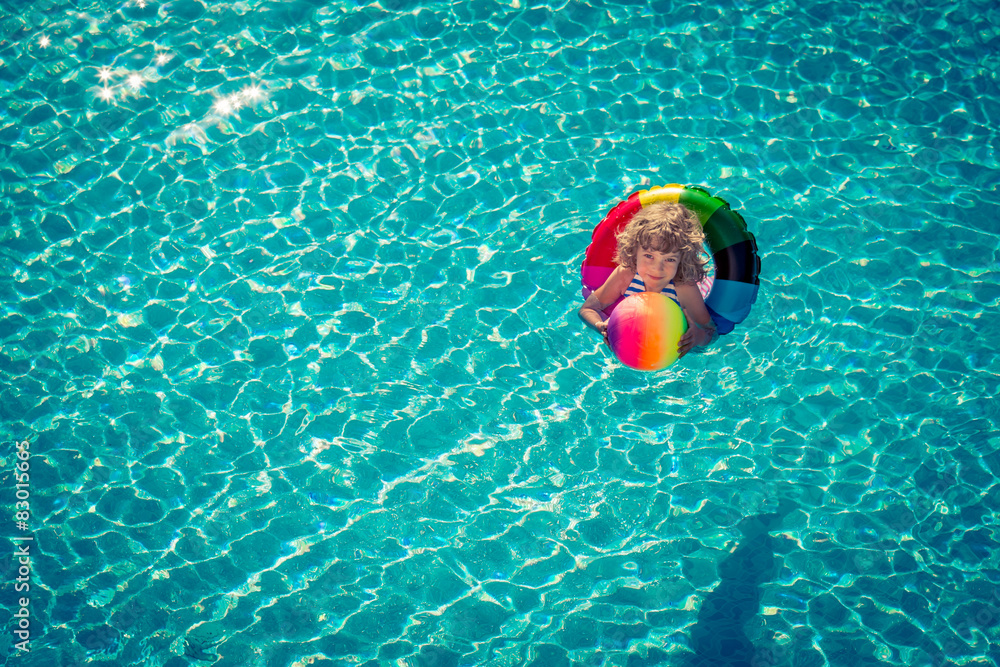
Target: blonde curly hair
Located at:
point(664, 227)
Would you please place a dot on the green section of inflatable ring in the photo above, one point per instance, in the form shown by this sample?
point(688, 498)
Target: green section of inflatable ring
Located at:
point(723, 226)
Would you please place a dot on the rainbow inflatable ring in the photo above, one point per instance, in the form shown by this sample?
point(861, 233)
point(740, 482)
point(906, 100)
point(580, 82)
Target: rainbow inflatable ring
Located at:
point(730, 293)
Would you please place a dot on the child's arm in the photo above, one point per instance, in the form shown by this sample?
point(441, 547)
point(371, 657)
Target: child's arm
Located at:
point(602, 297)
point(701, 329)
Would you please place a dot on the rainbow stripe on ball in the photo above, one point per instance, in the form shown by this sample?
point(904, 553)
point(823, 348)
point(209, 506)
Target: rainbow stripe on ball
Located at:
point(644, 331)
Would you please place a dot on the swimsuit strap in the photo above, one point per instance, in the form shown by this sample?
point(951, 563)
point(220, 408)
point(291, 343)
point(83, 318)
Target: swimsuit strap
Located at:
point(637, 286)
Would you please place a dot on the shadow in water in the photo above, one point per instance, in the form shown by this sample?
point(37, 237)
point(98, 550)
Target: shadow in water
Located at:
point(718, 638)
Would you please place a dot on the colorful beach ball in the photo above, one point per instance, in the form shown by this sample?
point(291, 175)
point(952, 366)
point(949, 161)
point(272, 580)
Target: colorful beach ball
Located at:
point(644, 330)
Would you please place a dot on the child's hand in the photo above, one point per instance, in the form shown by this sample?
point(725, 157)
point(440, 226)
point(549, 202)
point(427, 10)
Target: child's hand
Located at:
point(693, 336)
point(603, 328)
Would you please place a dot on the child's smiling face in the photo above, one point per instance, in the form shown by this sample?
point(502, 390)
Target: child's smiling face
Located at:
point(657, 269)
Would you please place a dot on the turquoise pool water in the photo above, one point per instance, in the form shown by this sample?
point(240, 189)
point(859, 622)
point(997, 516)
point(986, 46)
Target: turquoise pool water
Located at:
point(289, 296)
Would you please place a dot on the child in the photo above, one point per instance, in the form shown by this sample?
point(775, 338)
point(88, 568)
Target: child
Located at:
point(659, 250)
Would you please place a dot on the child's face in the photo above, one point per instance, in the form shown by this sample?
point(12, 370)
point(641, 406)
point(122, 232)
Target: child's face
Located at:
point(656, 268)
